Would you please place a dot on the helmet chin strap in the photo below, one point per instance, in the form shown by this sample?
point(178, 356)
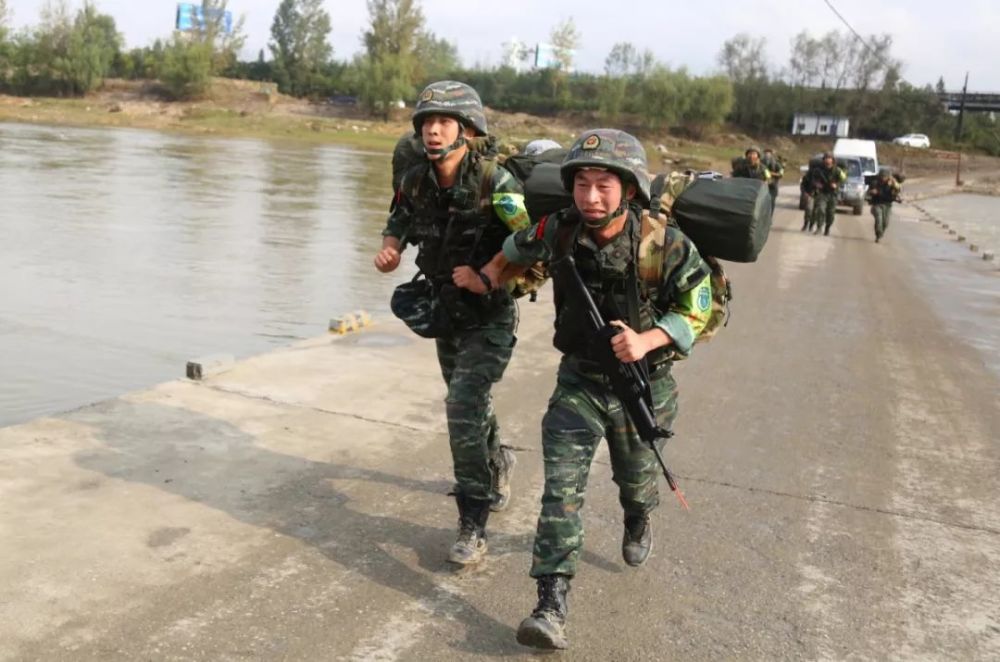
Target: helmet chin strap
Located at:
point(603, 221)
point(445, 151)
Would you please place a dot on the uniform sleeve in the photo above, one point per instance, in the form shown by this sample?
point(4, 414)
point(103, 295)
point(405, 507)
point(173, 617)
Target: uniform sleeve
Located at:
point(398, 224)
point(508, 201)
point(687, 279)
point(688, 315)
point(532, 244)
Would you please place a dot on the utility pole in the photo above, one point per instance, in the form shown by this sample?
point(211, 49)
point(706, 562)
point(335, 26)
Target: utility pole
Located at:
point(961, 110)
point(958, 130)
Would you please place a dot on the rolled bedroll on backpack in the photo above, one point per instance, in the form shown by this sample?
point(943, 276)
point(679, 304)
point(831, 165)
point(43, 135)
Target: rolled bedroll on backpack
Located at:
point(728, 218)
point(544, 193)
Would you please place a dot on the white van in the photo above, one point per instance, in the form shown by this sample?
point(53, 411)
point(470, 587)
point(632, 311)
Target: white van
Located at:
point(862, 150)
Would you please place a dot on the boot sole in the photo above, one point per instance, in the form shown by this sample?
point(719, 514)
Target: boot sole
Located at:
point(529, 635)
point(472, 560)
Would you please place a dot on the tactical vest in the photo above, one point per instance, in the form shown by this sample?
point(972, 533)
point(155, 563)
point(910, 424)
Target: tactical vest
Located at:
point(613, 281)
point(751, 172)
point(825, 178)
point(884, 193)
point(452, 226)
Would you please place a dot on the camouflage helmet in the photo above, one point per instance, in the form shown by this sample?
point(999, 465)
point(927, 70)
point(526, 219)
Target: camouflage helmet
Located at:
point(753, 148)
point(454, 99)
point(612, 150)
point(884, 171)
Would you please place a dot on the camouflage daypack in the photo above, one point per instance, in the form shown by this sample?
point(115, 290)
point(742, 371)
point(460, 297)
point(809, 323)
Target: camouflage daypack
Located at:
point(521, 168)
point(663, 191)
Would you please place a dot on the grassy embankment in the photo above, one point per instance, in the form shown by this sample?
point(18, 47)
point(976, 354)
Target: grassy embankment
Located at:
point(247, 109)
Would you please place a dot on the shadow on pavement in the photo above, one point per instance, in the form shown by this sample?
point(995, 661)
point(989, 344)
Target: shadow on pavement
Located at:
point(212, 462)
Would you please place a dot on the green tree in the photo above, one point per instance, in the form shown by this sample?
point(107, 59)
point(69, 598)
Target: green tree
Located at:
point(224, 47)
point(744, 61)
point(436, 58)
point(4, 18)
point(710, 100)
point(5, 45)
point(299, 45)
point(565, 38)
point(614, 85)
point(662, 97)
point(43, 54)
point(389, 65)
point(186, 70)
point(93, 44)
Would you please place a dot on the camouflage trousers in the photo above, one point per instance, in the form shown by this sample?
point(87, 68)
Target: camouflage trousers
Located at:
point(471, 361)
point(824, 210)
point(881, 212)
point(807, 214)
point(583, 410)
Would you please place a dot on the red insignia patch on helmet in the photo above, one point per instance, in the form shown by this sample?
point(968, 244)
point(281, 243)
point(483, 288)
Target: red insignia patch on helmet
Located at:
point(592, 142)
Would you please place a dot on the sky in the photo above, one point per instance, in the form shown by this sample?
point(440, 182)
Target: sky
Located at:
point(931, 37)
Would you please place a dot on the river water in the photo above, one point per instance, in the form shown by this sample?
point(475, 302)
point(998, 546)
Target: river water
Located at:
point(125, 253)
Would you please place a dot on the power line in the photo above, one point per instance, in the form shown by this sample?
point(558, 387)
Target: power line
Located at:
point(851, 28)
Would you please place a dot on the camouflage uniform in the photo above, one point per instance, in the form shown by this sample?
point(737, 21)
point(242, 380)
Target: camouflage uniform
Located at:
point(807, 216)
point(777, 171)
point(743, 168)
point(583, 409)
point(464, 224)
point(882, 193)
point(825, 184)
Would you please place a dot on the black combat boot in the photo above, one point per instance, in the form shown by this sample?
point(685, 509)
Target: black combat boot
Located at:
point(638, 539)
point(546, 627)
point(502, 468)
point(470, 547)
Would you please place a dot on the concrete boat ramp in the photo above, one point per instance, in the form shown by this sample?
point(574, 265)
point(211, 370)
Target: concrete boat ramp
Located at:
point(838, 444)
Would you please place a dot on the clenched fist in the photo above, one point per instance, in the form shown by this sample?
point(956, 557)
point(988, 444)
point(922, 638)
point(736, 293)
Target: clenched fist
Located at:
point(387, 259)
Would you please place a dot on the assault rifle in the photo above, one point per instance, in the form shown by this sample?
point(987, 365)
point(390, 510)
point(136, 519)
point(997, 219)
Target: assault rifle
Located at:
point(627, 382)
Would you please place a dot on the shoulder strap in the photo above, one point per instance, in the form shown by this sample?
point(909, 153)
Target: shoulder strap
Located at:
point(655, 191)
point(566, 234)
point(487, 168)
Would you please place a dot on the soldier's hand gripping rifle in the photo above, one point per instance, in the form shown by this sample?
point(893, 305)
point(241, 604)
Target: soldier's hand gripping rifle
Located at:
point(627, 382)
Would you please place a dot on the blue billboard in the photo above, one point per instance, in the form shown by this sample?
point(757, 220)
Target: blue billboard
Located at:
point(191, 17)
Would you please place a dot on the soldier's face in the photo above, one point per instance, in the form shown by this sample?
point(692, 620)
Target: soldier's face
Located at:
point(753, 157)
point(438, 132)
point(597, 193)
point(828, 162)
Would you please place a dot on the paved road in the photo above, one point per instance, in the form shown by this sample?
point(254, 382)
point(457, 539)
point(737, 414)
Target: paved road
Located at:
point(838, 444)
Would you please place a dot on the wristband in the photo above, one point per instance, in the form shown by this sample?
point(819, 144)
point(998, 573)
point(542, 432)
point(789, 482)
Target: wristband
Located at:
point(486, 281)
